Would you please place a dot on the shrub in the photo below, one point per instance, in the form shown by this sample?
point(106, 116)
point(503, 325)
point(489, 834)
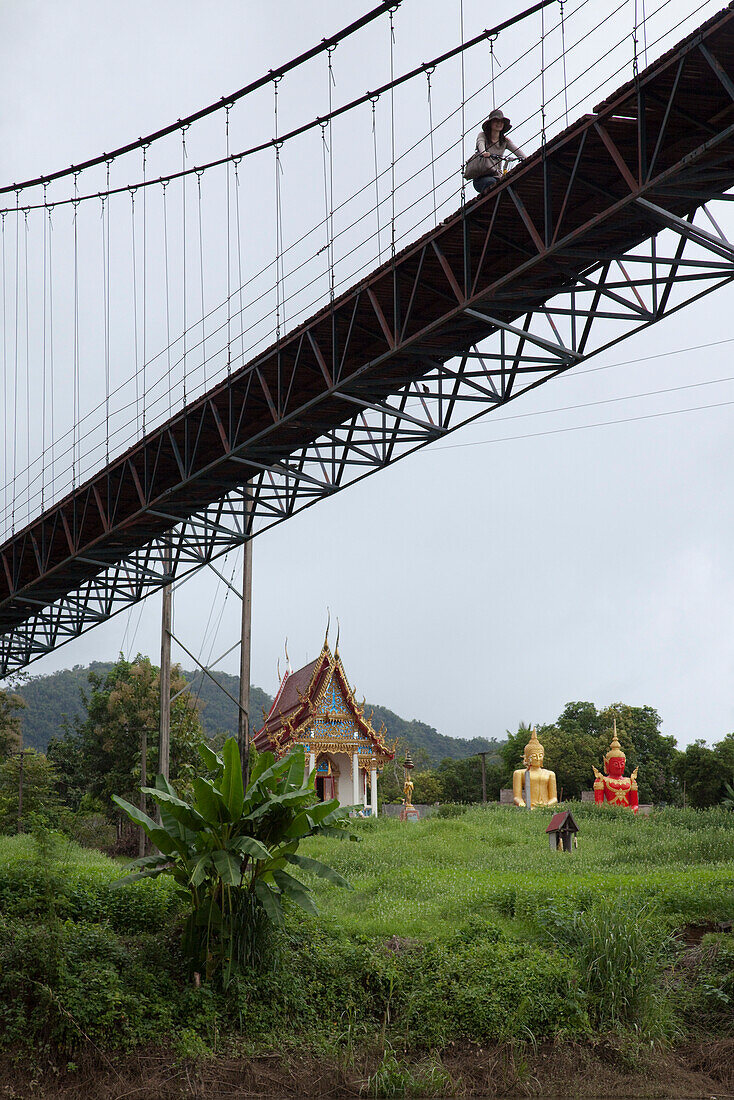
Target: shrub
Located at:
point(451, 809)
point(621, 948)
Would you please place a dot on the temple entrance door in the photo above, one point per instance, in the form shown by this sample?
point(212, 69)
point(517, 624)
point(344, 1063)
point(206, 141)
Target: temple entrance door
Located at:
point(324, 787)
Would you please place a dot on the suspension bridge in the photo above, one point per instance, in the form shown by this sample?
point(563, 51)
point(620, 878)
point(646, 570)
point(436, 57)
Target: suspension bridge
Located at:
point(222, 406)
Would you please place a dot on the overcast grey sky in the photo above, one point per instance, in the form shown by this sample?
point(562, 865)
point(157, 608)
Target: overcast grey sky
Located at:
point(538, 556)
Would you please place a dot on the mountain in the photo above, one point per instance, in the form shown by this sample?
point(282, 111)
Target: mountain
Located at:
point(426, 744)
point(55, 700)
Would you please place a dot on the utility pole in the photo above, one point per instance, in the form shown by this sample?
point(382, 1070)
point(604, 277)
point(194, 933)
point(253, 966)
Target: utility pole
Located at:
point(243, 726)
point(143, 783)
point(164, 743)
point(21, 755)
point(483, 762)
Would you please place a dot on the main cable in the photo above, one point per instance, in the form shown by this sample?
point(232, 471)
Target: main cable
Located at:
point(224, 102)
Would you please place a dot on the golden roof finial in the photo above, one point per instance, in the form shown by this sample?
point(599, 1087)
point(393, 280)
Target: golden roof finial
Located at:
point(338, 629)
point(615, 749)
point(328, 624)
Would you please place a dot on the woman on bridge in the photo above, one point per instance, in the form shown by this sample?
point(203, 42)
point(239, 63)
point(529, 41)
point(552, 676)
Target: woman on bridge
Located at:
point(484, 168)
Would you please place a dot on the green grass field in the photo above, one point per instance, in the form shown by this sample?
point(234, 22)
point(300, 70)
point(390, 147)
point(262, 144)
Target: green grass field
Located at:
point(425, 880)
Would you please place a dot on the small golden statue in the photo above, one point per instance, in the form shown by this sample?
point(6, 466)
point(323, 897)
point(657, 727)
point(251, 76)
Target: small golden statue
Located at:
point(534, 785)
point(615, 786)
point(408, 812)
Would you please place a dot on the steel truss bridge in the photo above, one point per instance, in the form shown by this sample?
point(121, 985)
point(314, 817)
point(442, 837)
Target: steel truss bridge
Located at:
point(564, 259)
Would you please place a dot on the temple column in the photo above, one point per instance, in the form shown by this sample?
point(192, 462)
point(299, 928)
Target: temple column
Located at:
point(311, 762)
point(355, 778)
point(373, 791)
point(364, 789)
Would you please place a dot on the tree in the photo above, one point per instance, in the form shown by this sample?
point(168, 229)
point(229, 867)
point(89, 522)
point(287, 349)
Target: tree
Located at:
point(10, 729)
point(705, 771)
point(122, 706)
point(638, 729)
point(40, 801)
point(228, 850)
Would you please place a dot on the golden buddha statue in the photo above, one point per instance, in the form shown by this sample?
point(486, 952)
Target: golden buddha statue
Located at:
point(617, 788)
point(534, 785)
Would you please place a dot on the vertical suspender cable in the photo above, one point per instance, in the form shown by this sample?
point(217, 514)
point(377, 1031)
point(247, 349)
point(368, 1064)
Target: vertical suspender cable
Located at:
point(229, 261)
point(278, 237)
point(135, 310)
point(168, 297)
point(107, 319)
point(106, 324)
point(15, 379)
point(542, 77)
point(6, 434)
point(27, 367)
point(201, 277)
point(492, 40)
point(239, 256)
point(373, 101)
point(44, 359)
point(563, 50)
point(332, 84)
point(429, 71)
point(51, 343)
point(145, 284)
point(325, 247)
point(76, 335)
point(392, 134)
point(183, 247)
point(463, 100)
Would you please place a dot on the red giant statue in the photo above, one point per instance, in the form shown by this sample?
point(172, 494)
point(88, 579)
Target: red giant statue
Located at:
point(615, 786)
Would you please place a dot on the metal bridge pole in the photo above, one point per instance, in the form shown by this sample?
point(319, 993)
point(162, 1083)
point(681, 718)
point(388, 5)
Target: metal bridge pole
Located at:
point(243, 725)
point(164, 743)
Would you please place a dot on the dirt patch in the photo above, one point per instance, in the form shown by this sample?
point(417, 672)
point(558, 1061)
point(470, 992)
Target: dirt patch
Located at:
point(550, 1070)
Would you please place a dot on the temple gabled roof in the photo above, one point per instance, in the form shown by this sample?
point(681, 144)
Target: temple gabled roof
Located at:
point(299, 701)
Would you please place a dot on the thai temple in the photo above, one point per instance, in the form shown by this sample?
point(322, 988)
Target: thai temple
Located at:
point(315, 707)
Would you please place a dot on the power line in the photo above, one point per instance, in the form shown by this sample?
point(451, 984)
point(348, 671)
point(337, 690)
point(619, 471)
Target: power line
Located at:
point(583, 427)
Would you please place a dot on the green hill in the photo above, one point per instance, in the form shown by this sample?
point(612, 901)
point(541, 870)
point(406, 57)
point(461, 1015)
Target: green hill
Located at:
point(54, 700)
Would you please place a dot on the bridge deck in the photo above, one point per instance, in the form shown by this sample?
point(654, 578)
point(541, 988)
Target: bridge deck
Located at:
point(650, 154)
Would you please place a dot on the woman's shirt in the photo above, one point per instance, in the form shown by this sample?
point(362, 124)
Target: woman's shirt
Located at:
point(497, 151)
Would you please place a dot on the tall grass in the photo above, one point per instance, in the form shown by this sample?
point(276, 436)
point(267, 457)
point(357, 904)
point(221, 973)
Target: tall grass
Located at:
point(423, 880)
point(621, 948)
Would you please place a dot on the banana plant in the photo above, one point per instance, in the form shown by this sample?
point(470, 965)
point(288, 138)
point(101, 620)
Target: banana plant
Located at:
point(231, 851)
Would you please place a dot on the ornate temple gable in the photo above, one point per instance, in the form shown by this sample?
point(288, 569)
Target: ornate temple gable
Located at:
point(316, 707)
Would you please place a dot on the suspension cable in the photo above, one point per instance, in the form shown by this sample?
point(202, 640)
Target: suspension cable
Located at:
point(230, 100)
point(336, 113)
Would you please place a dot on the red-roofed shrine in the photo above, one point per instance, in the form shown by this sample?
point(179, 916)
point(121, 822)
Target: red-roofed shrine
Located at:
point(315, 707)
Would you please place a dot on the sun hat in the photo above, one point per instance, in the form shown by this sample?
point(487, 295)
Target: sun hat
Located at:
point(500, 117)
